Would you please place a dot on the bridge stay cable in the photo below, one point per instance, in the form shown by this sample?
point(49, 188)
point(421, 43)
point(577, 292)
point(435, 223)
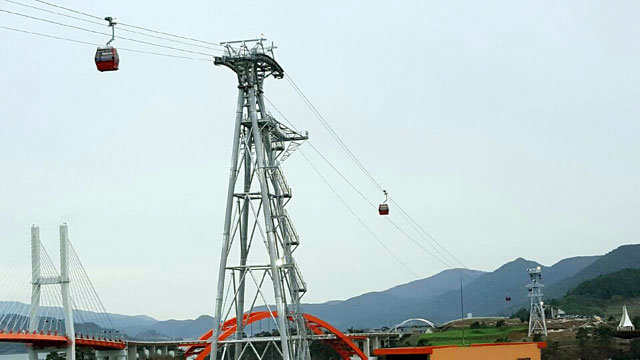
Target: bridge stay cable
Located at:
point(17, 276)
point(97, 308)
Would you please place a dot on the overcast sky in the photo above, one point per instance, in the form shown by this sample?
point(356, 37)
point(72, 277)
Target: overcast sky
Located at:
point(507, 129)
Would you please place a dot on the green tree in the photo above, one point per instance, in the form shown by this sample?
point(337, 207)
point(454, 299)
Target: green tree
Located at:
point(634, 351)
point(636, 322)
point(500, 323)
point(522, 314)
point(475, 325)
point(582, 336)
point(603, 335)
point(83, 353)
point(502, 339)
point(54, 355)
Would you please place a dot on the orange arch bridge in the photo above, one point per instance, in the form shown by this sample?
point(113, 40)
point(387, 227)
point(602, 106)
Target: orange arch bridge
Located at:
point(342, 344)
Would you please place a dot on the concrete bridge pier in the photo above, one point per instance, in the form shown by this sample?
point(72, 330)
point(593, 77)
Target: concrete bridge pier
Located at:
point(366, 347)
point(141, 353)
point(111, 354)
point(164, 350)
point(153, 351)
point(132, 352)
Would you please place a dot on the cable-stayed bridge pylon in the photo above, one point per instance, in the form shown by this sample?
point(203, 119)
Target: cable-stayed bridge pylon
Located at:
point(63, 310)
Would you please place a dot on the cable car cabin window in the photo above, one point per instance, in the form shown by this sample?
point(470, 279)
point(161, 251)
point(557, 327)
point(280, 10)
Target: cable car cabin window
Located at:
point(107, 54)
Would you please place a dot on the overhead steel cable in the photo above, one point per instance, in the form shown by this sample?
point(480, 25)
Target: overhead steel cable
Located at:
point(132, 26)
point(74, 11)
point(420, 228)
point(329, 128)
point(102, 24)
point(95, 44)
point(174, 35)
point(421, 232)
point(102, 33)
point(358, 217)
point(443, 261)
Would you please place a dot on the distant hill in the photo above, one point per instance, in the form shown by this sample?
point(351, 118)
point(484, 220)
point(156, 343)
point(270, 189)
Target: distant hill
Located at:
point(603, 295)
point(385, 308)
point(624, 283)
point(434, 285)
point(436, 298)
point(183, 329)
point(486, 296)
point(624, 257)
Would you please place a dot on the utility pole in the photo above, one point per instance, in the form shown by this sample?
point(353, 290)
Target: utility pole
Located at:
point(537, 320)
point(462, 310)
point(251, 275)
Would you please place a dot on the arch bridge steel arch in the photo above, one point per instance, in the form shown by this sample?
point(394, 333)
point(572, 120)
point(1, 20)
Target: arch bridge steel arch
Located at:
point(341, 344)
point(425, 321)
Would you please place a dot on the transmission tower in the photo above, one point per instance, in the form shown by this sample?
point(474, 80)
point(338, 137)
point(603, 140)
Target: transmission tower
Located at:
point(537, 321)
point(251, 275)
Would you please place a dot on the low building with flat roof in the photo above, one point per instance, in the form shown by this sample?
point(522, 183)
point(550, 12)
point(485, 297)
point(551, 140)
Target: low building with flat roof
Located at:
point(493, 351)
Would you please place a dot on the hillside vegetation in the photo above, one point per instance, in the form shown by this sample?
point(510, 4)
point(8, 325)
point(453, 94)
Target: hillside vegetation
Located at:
point(624, 257)
point(604, 295)
point(625, 283)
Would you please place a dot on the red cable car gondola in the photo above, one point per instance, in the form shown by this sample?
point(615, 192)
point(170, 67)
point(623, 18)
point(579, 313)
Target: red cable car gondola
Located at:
point(508, 298)
point(383, 209)
point(107, 58)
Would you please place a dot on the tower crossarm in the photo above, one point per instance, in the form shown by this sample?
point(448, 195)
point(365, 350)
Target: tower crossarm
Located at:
point(245, 55)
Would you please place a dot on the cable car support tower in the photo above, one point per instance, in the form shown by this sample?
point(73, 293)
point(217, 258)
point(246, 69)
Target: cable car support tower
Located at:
point(537, 320)
point(251, 275)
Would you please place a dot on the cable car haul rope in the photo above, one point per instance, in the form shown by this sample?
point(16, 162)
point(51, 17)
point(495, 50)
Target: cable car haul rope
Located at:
point(107, 59)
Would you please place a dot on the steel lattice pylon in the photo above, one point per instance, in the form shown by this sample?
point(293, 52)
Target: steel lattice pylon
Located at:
point(255, 210)
point(537, 321)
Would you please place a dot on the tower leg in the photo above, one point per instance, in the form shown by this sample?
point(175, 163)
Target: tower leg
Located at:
point(294, 295)
point(227, 227)
point(266, 210)
point(244, 250)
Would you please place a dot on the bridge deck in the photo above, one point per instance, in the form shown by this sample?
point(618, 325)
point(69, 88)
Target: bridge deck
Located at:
point(55, 340)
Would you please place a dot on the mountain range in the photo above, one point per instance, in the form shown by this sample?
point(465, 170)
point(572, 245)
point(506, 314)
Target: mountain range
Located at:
point(436, 298)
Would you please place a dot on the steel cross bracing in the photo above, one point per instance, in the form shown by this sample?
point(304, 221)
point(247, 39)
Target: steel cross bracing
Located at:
point(250, 278)
point(537, 320)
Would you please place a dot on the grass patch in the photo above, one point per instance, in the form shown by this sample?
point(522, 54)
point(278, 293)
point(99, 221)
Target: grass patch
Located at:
point(474, 336)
